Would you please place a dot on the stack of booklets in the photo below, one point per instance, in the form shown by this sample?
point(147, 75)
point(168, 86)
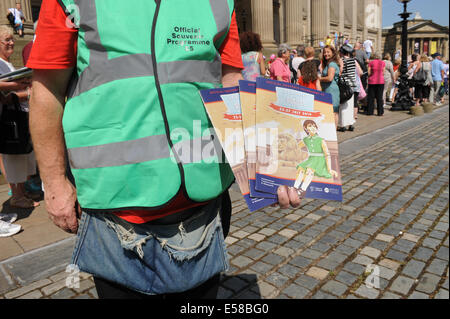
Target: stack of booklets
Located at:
point(275, 133)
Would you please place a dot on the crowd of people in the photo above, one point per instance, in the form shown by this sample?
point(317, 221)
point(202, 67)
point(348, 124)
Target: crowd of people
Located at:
point(373, 79)
point(18, 169)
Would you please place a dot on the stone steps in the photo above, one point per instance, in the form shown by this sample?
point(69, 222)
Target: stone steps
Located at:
point(16, 58)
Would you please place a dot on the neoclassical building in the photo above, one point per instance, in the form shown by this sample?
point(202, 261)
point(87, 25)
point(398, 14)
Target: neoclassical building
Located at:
point(424, 37)
point(311, 21)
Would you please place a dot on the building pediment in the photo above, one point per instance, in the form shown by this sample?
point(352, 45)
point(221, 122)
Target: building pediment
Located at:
point(427, 26)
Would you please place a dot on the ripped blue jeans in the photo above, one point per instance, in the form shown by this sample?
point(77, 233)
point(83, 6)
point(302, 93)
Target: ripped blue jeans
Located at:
point(149, 258)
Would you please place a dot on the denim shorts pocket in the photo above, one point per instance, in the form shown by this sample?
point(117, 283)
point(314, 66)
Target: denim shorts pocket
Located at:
point(81, 233)
point(155, 259)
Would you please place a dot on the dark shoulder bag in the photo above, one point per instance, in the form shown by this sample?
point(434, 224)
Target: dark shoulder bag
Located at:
point(11, 19)
point(345, 90)
point(14, 129)
point(420, 76)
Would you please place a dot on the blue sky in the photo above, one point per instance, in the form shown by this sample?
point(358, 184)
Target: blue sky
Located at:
point(436, 10)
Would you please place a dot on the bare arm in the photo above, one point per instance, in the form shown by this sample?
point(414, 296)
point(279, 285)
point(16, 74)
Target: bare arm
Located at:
point(358, 67)
point(391, 71)
point(330, 75)
point(328, 159)
point(46, 110)
point(230, 76)
point(318, 85)
point(262, 63)
point(14, 86)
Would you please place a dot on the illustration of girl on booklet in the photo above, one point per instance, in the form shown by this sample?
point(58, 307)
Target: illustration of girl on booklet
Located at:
point(318, 162)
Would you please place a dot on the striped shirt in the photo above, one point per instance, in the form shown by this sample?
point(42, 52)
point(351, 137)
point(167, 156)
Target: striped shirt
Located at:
point(349, 73)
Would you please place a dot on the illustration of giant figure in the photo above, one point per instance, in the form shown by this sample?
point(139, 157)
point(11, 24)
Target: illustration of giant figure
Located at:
point(318, 162)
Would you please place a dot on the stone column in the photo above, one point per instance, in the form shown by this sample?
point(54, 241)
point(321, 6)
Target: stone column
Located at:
point(262, 21)
point(4, 6)
point(26, 9)
point(445, 53)
point(282, 22)
point(380, 48)
point(307, 35)
point(341, 16)
point(365, 33)
point(355, 21)
point(320, 20)
point(294, 22)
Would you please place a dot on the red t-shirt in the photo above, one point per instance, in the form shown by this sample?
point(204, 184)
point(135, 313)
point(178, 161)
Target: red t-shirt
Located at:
point(55, 47)
point(311, 85)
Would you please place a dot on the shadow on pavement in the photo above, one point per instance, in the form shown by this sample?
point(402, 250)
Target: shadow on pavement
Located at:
point(21, 212)
point(243, 286)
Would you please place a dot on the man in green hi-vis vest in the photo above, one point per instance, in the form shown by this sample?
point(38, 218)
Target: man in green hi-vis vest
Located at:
point(116, 89)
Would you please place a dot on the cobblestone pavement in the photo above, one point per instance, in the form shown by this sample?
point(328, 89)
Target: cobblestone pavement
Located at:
point(389, 238)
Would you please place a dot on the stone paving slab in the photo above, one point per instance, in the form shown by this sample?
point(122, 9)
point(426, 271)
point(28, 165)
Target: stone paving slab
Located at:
point(387, 239)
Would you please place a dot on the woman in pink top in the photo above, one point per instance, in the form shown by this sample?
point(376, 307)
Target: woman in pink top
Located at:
point(279, 69)
point(376, 85)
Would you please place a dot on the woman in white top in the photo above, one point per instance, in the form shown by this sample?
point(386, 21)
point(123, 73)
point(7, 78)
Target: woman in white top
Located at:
point(426, 65)
point(17, 167)
point(389, 76)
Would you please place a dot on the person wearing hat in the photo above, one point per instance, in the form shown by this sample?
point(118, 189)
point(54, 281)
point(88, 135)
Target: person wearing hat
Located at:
point(279, 69)
point(346, 109)
point(438, 74)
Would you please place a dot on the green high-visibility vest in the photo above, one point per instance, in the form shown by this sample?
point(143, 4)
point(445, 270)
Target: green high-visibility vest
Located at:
point(135, 127)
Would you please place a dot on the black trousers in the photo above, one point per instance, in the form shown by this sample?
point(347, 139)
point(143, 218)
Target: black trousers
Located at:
point(375, 93)
point(110, 290)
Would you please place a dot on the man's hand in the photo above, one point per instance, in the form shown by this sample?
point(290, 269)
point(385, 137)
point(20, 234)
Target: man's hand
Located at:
point(61, 202)
point(287, 197)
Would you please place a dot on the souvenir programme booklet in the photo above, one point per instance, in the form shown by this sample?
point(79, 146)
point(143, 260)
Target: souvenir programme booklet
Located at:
point(296, 140)
point(224, 110)
point(247, 91)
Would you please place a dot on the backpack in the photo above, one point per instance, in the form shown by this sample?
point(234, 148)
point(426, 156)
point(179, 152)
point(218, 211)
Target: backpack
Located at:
point(11, 19)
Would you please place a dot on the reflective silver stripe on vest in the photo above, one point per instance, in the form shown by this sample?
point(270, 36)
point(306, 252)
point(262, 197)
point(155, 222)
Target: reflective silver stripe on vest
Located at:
point(190, 71)
point(143, 150)
point(121, 153)
point(221, 12)
point(198, 149)
point(125, 67)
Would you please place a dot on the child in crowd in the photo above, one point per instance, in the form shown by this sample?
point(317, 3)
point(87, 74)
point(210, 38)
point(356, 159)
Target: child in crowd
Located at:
point(309, 77)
